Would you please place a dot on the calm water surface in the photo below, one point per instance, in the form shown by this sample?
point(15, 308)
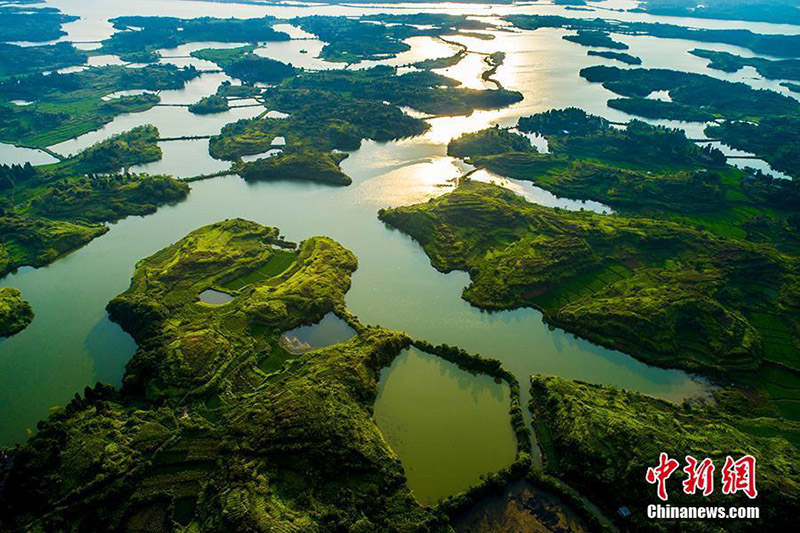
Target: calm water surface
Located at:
point(422, 404)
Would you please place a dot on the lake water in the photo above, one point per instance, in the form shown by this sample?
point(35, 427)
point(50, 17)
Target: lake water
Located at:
point(71, 342)
point(423, 403)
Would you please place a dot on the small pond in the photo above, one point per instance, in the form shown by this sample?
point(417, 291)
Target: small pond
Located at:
point(212, 297)
point(447, 426)
point(330, 330)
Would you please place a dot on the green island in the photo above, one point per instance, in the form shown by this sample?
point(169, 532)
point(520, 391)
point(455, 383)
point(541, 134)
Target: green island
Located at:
point(602, 439)
point(15, 313)
point(48, 211)
point(652, 288)
point(698, 92)
point(768, 44)
point(202, 436)
point(777, 11)
point(628, 59)
point(787, 69)
point(68, 105)
point(302, 165)
point(645, 286)
point(243, 64)
point(758, 121)
point(209, 105)
point(16, 60)
point(379, 36)
point(598, 39)
point(32, 24)
point(141, 37)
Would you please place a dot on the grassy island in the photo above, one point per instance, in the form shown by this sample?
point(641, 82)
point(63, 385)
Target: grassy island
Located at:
point(16, 60)
point(640, 168)
point(199, 436)
point(601, 440)
point(67, 105)
point(48, 211)
point(776, 11)
point(15, 313)
point(788, 69)
point(209, 105)
point(656, 289)
point(379, 36)
point(298, 166)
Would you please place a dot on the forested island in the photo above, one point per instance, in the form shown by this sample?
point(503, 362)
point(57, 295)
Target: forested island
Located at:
point(67, 105)
point(759, 121)
point(15, 313)
point(776, 11)
point(769, 44)
point(46, 212)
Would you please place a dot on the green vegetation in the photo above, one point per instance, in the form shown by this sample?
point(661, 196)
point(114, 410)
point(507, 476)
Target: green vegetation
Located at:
point(777, 11)
point(721, 98)
point(15, 313)
point(603, 440)
point(305, 165)
point(774, 139)
point(106, 198)
point(49, 211)
point(488, 142)
point(223, 56)
point(38, 242)
point(619, 56)
point(443, 62)
point(200, 437)
point(335, 110)
point(641, 170)
point(638, 145)
point(140, 37)
point(26, 23)
point(794, 87)
point(133, 147)
point(209, 105)
point(760, 121)
point(664, 292)
point(379, 36)
point(68, 105)
point(243, 64)
point(595, 38)
point(771, 44)
point(788, 69)
point(15, 60)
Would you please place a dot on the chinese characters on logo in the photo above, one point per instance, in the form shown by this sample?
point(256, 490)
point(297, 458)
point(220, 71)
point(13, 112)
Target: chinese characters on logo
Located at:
point(737, 475)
